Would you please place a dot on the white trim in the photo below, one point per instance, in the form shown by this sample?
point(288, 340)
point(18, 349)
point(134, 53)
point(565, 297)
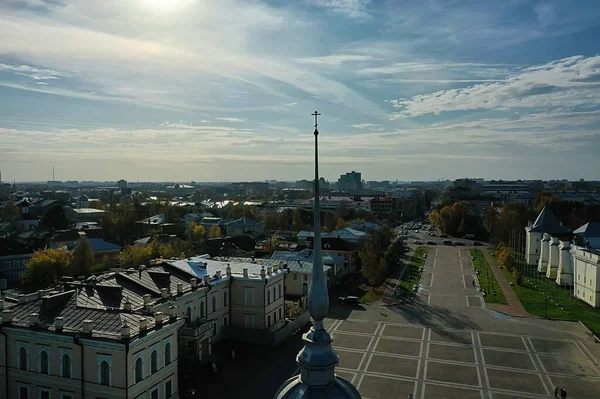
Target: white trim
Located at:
point(19, 386)
point(25, 346)
point(107, 359)
point(43, 348)
point(69, 353)
point(47, 390)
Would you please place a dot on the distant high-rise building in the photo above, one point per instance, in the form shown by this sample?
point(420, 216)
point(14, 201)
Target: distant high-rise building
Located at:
point(122, 184)
point(350, 181)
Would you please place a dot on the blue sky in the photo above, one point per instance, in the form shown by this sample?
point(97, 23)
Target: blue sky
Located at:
point(206, 90)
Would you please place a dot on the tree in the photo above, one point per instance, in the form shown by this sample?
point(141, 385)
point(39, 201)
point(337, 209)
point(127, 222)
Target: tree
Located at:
point(329, 222)
point(134, 256)
point(82, 257)
point(215, 232)
point(374, 269)
point(196, 232)
point(46, 267)
point(270, 220)
point(297, 222)
point(56, 218)
point(394, 253)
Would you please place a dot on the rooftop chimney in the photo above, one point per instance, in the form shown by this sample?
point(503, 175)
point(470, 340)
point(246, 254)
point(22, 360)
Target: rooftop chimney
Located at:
point(127, 305)
point(88, 326)
point(7, 316)
point(218, 274)
point(206, 279)
point(147, 299)
point(158, 317)
point(59, 323)
point(245, 272)
point(262, 272)
point(173, 311)
point(34, 318)
point(228, 270)
point(149, 308)
point(194, 282)
point(125, 330)
point(164, 292)
point(269, 270)
point(143, 324)
point(179, 288)
point(275, 267)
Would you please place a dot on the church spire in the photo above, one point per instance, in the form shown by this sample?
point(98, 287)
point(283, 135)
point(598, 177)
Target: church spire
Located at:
point(317, 360)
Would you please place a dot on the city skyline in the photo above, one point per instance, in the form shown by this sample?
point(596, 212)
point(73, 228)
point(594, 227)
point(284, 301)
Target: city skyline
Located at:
point(188, 90)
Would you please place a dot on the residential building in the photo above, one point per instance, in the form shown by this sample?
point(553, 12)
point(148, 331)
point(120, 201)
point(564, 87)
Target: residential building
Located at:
point(14, 257)
point(27, 220)
point(382, 205)
point(299, 263)
point(85, 214)
point(339, 247)
point(100, 248)
point(350, 181)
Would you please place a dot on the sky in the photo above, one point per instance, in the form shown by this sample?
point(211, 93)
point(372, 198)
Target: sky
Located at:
point(203, 90)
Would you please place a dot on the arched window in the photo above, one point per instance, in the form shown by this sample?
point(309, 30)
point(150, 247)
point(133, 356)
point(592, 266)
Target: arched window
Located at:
point(153, 362)
point(188, 315)
point(202, 310)
point(22, 359)
point(214, 303)
point(44, 362)
point(139, 370)
point(168, 353)
point(268, 297)
point(225, 298)
point(66, 366)
point(104, 373)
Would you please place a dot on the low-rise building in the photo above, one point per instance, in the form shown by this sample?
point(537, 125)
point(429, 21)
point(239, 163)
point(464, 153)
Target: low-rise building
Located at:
point(85, 214)
point(586, 272)
point(14, 257)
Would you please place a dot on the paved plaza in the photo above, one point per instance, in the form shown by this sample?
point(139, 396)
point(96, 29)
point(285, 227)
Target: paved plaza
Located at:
point(448, 345)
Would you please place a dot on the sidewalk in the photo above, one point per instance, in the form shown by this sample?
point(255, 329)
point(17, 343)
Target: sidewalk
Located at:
point(513, 307)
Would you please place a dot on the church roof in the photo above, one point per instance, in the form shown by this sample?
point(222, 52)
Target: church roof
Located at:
point(84, 198)
point(547, 222)
point(591, 229)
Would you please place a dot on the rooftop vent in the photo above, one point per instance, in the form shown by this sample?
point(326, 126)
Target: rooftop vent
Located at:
point(269, 270)
point(147, 299)
point(34, 318)
point(206, 279)
point(7, 316)
point(245, 272)
point(59, 323)
point(164, 292)
point(158, 317)
point(88, 326)
point(262, 272)
point(125, 330)
point(143, 324)
point(127, 306)
point(194, 282)
point(179, 288)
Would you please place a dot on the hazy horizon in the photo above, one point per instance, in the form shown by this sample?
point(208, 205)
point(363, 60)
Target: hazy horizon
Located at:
point(198, 90)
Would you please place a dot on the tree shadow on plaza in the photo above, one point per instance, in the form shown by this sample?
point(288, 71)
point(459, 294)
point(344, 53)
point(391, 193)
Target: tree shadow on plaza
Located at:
point(438, 319)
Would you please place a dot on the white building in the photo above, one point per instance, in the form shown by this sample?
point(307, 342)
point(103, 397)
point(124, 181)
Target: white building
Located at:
point(586, 267)
point(546, 222)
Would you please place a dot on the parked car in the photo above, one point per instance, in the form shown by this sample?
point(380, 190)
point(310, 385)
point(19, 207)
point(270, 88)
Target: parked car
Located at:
point(477, 243)
point(349, 300)
point(431, 242)
point(469, 236)
point(444, 235)
point(417, 242)
point(447, 242)
point(459, 243)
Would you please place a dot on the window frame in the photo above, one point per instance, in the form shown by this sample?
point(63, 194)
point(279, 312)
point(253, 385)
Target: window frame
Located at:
point(168, 381)
point(43, 390)
point(139, 357)
point(154, 366)
point(22, 346)
point(62, 353)
point(108, 359)
point(24, 386)
point(214, 303)
point(169, 352)
point(225, 297)
point(45, 349)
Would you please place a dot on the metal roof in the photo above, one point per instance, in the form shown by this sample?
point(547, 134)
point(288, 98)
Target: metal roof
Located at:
point(591, 229)
point(547, 222)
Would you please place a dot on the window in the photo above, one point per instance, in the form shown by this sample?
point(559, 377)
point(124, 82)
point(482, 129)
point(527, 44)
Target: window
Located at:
point(66, 396)
point(65, 370)
point(44, 393)
point(249, 296)
point(168, 389)
point(249, 321)
point(188, 315)
point(202, 310)
point(23, 392)
point(295, 276)
point(44, 362)
point(214, 303)
point(225, 321)
point(269, 321)
point(536, 250)
point(274, 294)
point(104, 373)
point(268, 297)
point(153, 362)
point(16, 264)
point(139, 370)
point(154, 394)
point(225, 298)
point(279, 289)
point(23, 359)
point(280, 311)
point(167, 353)
point(305, 277)
point(7, 265)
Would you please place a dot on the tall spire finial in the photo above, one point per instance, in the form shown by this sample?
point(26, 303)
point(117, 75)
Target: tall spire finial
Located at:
point(317, 360)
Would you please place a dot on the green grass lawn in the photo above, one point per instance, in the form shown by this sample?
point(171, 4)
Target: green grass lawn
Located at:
point(561, 305)
point(412, 276)
point(486, 281)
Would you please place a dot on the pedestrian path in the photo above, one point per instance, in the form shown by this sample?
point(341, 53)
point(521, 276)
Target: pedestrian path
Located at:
point(513, 306)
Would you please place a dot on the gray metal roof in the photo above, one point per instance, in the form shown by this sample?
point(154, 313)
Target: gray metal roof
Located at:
point(591, 229)
point(547, 222)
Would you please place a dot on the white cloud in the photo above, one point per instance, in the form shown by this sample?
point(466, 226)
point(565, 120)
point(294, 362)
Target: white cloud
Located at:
point(33, 72)
point(350, 8)
point(233, 120)
point(335, 59)
point(366, 125)
point(563, 84)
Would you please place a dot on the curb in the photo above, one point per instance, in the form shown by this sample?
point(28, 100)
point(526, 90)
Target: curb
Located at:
point(596, 339)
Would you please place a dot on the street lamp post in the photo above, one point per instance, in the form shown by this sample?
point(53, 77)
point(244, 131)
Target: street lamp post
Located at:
point(546, 299)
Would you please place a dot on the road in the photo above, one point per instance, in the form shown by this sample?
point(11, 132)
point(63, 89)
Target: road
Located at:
point(444, 345)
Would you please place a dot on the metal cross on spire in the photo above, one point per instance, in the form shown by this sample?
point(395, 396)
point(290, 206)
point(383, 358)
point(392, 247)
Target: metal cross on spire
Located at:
point(316, 115)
